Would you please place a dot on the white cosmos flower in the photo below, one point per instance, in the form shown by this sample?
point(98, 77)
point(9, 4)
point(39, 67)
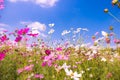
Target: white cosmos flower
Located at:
point(99, 39)
point(105, 34)
point(103, 59)
point(51, 25)
point(65, 32)
point(51, 31)
point(84, 29)
point(77, 31)
point(74, 75)
point(65, 66)
point(94, 51)
point(77, 47)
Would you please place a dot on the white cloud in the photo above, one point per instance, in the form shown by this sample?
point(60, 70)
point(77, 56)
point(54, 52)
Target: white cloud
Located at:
point(42, 3)
point(19, 0)
point(46, 3)
point(2, 30)
point(25, 22)
point(37, 26)
point(3, 25)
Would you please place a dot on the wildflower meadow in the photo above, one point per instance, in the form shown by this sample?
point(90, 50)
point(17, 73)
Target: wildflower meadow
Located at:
point(25, 55)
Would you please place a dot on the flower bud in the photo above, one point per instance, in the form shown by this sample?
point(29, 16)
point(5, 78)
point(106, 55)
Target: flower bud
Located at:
point(106, 10)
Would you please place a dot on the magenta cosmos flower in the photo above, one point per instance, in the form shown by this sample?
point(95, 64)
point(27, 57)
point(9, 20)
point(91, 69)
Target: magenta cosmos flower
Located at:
point(2, 56)
point(48, 52)
point(33, 35)
point(23, 31)
point(3, 38)
point(18, 39)
point(59, 49)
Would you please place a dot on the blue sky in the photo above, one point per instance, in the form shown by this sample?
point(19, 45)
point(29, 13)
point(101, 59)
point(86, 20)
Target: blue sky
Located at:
point(63, 13)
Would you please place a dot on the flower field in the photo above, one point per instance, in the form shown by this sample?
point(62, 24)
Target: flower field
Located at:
point(26, 53)
point(38, 60)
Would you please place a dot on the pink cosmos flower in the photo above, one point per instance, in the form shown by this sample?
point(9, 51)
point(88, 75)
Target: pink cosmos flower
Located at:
point(1, 6)
point(18, 39)
point(1, 1)
point(3, 38)
point(62, 57)
point(48, 60)
point(59, 49)
point(34, 44)
point(49, 63)
point(29, 68)
point(33, 35)
point(23, 31)
point(20, 70)
point(2, 56)
point(44, 64)
point(117, 41)
point(40, 76)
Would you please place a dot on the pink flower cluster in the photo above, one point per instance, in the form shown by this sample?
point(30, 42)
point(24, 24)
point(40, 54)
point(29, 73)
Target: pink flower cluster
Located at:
point(2, 56)
point(39, 76)
point(117, 41)
point(23, 31)
point(26, 68)
point(51, 57)
point(3, 38)
point(20, 33)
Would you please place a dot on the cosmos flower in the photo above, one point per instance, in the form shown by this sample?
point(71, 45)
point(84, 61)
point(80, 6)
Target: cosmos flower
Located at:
point(59, 49)
point(103, 59)
point(1, 1)
point(3, 38)
point(51, 25)
point(74, 75)
point(77, 31)
point(65, 32)
point(84, 29)
point(18, 38)
point(33, 35)
point(40, 76)
point(20, 70)
point(58, 68)
point(117, 41)
point(51, 31)
point(62, 57)
point(48, 52)
point(2, 56)
point(105, 34)
point(65, 66)
point(28, 68)
point(23, 31)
